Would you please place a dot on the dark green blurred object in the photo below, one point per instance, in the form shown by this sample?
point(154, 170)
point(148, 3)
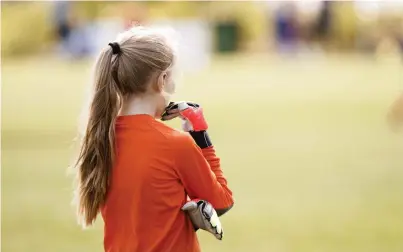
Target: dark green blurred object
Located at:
point(227, 35)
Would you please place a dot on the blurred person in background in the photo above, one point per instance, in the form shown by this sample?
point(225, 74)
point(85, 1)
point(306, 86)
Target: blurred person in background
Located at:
point(61, 17)
point(323, 23)
point(135, 170)
point(72, 30)
point(286, 27)
point(133, 14)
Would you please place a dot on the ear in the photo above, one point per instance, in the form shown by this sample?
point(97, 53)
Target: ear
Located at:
point(161, 80)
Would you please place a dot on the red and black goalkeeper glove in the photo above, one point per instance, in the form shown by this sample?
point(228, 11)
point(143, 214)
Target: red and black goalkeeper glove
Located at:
point(193, 121)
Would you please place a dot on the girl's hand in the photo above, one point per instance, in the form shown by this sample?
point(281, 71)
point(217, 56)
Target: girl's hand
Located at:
point(192, 121)
point(170, 114)
point(190, 113)
point(193, 117)
point(174, 113)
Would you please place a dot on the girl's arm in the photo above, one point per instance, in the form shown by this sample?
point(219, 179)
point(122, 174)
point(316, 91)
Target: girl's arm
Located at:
point(200, 173)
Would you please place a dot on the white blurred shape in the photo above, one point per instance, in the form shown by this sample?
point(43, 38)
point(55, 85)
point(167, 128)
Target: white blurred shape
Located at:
point(367, 10)
point(104, 31)
point(193, 42)
point(309, 7)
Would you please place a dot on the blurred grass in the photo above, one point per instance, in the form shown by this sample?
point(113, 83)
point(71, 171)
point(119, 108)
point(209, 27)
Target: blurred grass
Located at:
point(303, 143)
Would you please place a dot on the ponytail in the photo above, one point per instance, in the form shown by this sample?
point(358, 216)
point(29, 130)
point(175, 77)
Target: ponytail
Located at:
point(97, 152)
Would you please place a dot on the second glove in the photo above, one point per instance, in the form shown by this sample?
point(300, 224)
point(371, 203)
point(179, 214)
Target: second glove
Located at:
point(203, 216)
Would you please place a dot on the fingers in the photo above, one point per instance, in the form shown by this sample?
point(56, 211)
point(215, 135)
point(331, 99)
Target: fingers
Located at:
point(170, 117)
point(191, 205)
point(185, 115)
point(173, 111)
point(171, 114)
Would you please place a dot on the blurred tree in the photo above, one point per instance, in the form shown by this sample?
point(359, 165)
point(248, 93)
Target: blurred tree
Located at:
point(25, 28)
point(174, 9)
point(249, 17)
point(344, 26)
point(89, 9)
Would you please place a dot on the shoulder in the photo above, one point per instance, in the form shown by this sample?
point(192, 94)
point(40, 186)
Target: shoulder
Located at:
point(183, 140)
point(178, 138)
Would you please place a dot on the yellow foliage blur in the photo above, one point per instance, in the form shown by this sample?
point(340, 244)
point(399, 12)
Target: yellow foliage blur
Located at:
point(25, 27)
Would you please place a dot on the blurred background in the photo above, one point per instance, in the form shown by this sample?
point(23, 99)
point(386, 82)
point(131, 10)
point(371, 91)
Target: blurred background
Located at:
point(296, 95)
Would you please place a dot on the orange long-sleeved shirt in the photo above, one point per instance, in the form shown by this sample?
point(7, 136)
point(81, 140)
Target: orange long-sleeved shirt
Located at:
point(156, 169)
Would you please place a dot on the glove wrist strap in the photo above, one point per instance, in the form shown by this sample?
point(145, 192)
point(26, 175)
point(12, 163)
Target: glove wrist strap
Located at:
point(201, 138)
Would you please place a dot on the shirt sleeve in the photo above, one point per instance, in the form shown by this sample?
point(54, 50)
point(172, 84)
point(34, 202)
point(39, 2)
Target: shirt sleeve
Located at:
point(200, 173)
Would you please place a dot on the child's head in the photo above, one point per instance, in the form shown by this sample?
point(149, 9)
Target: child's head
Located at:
point(138, 63)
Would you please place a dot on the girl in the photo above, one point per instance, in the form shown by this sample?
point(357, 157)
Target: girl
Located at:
point(135, 170)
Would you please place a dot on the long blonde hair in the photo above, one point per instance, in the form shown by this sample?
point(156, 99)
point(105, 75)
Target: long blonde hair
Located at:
point(142, 53)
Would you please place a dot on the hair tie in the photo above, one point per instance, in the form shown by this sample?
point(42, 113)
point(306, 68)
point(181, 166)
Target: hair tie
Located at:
point(115, 47)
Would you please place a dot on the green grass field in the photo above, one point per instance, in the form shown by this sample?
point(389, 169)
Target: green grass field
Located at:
point(303, 143)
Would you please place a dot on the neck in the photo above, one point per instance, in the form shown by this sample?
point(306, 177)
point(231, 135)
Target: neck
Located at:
point(139, 105)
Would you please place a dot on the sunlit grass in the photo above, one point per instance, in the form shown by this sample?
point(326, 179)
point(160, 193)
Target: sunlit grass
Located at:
point(303, 143)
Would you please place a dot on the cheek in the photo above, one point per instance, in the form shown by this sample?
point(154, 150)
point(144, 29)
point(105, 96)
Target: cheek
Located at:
point(167, 97)
point(168, 91)
point(170, 87)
